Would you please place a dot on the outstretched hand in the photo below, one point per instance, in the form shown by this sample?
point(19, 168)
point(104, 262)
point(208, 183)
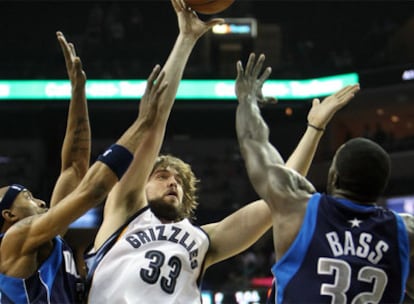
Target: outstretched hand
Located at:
point(73, 63)
point(153, 91)
point(188, 20)
point(248, 81)
point(322, 112)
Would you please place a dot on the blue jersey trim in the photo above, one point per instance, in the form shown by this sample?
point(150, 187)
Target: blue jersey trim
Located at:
point(291, 261)
point(203, 266)
point(92, 260)
point(355, 206)
point(404, 252)
point(17, 292)
point(50, 268)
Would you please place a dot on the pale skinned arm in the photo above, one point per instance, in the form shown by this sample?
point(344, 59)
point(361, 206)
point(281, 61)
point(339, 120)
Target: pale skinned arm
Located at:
point(243, 228)
point(319, 116)
point(76, 148)
point(128, 196)
point(25, 237)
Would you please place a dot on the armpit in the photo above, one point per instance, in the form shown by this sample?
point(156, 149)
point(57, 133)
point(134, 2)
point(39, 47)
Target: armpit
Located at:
point(286, 183)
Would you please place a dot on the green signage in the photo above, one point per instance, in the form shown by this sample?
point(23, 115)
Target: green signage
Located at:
point(188, 90)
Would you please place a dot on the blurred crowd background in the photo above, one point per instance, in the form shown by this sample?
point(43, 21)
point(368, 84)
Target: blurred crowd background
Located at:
point(125, 39)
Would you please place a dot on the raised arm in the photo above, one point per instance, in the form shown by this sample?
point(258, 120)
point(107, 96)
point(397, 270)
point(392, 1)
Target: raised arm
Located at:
point(76, 148)
point(26, 236)
point(319, 116)
point(265, 166)
point(244, 227)
point(128, 195)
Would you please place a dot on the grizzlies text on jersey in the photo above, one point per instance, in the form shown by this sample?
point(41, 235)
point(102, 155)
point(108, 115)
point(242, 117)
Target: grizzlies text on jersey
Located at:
point(151, 261)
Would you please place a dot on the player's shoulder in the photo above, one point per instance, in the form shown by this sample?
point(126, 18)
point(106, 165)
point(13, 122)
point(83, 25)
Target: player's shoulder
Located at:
point(409, 223)
point(20, 231)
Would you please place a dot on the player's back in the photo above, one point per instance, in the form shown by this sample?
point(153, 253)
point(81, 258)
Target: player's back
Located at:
point(344, 253)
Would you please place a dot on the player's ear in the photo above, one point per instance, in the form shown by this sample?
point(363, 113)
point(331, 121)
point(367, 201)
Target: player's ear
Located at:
point(9, 216)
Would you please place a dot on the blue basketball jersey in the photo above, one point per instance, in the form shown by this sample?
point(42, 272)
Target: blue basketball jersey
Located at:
point(344, 253)
point(56, 281)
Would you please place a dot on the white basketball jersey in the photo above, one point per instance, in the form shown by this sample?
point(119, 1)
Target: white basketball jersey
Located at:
point(152, 263)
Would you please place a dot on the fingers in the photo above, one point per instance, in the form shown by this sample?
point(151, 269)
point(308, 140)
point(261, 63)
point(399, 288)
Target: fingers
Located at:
point(250, 63)
point(179, 5)
point(60, 36)
point(264, 101)
point(315, 102)
point(156, 80)
point(354, 89)
point(347, 92)
point(63, 44)
point(271, 100)
point(258, 66)
point(239, 68)
point(78, 64)
point(265, 75)
point(72, 49)
point(69, 53)
point(161, 86)
point(159, 82)
point(213, 22)
point(154, 74)
point(254, 68)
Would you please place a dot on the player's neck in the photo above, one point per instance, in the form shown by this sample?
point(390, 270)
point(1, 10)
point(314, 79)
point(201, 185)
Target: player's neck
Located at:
point(164, 221)
point(358, 199)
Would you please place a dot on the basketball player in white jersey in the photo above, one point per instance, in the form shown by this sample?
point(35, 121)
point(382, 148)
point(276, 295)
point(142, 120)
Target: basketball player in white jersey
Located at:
point(147, 250)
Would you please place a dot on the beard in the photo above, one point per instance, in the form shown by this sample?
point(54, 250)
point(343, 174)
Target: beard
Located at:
point(163, 210)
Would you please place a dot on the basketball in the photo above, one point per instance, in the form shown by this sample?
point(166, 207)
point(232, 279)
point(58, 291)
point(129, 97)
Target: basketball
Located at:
point(209, 7)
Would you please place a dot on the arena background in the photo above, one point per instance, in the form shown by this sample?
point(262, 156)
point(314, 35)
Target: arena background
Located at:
point(125, 39)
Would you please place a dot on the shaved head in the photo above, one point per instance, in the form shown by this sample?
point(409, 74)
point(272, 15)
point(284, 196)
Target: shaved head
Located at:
point(363, 168)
